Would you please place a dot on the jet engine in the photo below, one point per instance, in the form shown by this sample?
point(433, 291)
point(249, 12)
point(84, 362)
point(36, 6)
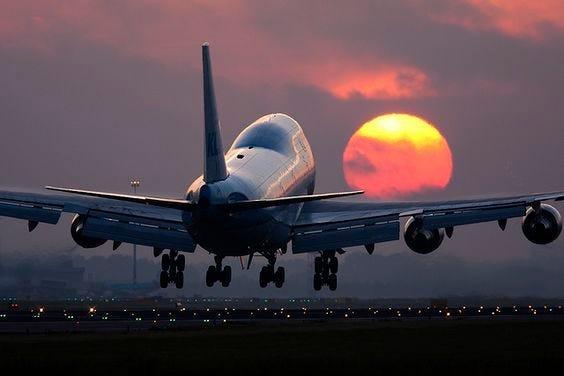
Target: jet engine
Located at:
point(420, 240)
point(542, 226)
point(80, 239)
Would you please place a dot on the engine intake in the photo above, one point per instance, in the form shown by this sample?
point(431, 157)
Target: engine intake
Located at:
point(542, 226)
point(80, 239)
point(421, 240)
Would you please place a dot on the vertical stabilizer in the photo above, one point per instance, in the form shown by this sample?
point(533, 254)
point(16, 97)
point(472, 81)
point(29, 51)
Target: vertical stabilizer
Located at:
point(214, 159)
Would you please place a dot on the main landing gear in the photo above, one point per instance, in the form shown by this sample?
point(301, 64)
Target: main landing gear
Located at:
point(217, 274)
point(326, 268)
point(172, 265)
point(267, 273)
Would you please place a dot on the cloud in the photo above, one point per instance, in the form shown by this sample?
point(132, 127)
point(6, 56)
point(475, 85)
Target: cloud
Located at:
point(389, 83)
point(534, 20)
point(168, 32)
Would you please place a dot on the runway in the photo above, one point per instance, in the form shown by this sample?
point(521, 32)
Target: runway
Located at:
point(55, 318)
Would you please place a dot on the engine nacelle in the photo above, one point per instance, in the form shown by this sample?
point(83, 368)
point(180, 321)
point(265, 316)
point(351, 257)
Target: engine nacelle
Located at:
point(420, 240)
point(542, 226)
point(79, 238)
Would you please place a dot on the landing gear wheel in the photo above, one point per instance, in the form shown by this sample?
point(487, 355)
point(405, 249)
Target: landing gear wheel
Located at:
point(179, 280)
point(318, 265)
point(157, 252)
point(317, 282)
point(180, 263)
point(164, 280)
point(226, 276)
point(210, 276)
point(279, 277)
point(263, 277)
point(334, 265)
point(332, 282)
point(165, 262)
point(172, 275)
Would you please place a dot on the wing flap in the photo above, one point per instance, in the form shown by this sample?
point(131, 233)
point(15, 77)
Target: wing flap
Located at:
point(322, 224)
point(138, 230)
point(466, 217)
point(129, 222)
point(31, 211)
point(324, 236)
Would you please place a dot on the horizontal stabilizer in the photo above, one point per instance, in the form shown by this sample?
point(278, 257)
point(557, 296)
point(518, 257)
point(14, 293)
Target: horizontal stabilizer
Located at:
point(156, 201)
point(270, 202)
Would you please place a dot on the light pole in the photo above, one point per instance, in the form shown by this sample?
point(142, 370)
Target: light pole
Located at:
point(134, 184)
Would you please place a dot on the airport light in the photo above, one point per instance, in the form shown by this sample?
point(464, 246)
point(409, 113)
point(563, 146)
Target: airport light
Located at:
point(135, 183)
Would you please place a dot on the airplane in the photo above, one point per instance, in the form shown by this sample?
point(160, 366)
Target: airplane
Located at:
point(259, 197)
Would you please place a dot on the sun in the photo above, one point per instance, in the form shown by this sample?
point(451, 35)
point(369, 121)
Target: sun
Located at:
point(397, 155)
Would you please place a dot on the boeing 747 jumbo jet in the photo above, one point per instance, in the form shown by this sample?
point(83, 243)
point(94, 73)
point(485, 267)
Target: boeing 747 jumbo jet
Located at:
point(259, 197)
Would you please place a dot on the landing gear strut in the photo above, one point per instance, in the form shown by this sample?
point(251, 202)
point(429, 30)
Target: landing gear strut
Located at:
point(172, 265)
point(218, 274)
point(267, 273)
point(326, 268)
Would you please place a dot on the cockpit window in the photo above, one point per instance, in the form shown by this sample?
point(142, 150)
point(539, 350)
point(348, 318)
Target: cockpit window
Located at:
point(265, 135)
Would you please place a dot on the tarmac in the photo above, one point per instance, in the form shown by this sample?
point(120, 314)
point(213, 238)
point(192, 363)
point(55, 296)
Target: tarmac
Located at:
point(40, 319)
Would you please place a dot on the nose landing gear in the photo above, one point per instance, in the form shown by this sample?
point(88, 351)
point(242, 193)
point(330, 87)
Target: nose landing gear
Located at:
point(326, 268)
point(218, 274)
point(172, 265)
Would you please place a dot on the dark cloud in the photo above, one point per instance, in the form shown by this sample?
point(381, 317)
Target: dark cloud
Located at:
point(361, 164)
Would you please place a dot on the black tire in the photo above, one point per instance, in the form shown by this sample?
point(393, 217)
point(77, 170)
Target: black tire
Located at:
point(325, 275)
point(164, 280)
point(226, 276)
point(180, 263)
point(263, 277)
point(210, 276)
point(165, 263)
point(334, 265)
point(332, 282)
point(179, 281)
point(317, 282)
point(318, 263)
point(279, 277)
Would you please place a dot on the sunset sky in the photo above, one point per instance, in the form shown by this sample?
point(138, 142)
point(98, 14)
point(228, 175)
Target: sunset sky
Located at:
point(94, 92)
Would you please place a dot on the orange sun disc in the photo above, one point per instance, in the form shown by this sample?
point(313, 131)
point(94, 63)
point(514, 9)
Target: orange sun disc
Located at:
point(396, 155)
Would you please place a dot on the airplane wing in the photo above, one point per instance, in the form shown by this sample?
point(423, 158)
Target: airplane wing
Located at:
point(134, 220)
point(325, 225)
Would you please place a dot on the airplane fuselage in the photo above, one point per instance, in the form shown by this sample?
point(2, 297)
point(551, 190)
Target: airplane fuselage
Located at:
point(271, 158)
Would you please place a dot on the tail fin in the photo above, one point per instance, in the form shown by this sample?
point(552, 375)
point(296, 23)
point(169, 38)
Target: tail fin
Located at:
point(214, 159)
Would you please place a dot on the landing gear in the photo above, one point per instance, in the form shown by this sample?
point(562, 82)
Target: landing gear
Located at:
point(267, 273)
point(179, 280)
point(172, 266)
point(326, 267)
point(218, 274)
point(164, 280)
point(279, 277)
